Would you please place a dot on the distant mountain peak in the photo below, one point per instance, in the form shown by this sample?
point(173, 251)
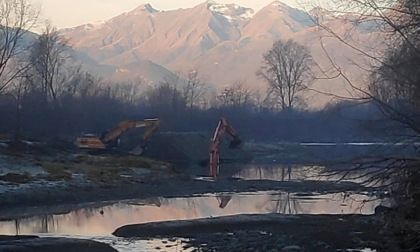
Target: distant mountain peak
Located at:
point(278, 3)
point(284, 11)
point(230, 11)
point(278, 6)
point(210, 2)
point(146, 8)
point(321, 14)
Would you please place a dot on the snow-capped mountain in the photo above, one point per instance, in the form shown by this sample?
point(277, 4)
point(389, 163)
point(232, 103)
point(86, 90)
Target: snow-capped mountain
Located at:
point(230, 12)
point(225, 42)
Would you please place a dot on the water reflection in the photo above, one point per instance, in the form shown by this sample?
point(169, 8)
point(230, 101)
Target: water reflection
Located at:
point(293, 172)
point(285, 172)
point(105, 219)
point(223, 199)
point(288, 205)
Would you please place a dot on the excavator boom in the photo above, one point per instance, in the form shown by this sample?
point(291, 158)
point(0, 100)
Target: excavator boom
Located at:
point(150, 124)
point(94, 142)
point(221, 128)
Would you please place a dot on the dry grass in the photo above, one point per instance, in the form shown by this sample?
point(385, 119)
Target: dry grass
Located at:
point(11, 152)
point(120, 161)
point(56, 171)
point(5, 137)
point(101, 174)
point(104, 170)
point(20, 178)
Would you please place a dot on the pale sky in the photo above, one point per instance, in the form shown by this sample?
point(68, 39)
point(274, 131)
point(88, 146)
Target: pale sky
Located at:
point(70, 13)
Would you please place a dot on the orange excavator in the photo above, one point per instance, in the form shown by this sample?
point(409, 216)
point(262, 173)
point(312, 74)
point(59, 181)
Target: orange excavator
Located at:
point(221, 128)
point(110, 139)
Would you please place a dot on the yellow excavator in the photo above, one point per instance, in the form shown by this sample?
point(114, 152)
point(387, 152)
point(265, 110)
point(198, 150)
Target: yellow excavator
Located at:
point(110, 139)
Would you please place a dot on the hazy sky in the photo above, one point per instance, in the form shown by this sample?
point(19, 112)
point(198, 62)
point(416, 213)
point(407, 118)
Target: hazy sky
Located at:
point(65, 13)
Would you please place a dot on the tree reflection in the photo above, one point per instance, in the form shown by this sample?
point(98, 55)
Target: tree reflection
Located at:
point(47, 221)
point(17, 226)
point(278, 173)
point(284, 172)
point(285, 204)
point(42, 224)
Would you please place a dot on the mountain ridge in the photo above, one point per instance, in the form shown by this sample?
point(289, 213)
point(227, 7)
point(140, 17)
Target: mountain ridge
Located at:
point(225, 42)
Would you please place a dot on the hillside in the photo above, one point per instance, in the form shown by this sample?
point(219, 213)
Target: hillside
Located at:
point(225, 42)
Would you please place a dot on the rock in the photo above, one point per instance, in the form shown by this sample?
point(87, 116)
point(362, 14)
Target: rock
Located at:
point(186, 228)
point(35, 244)
point(292, 248)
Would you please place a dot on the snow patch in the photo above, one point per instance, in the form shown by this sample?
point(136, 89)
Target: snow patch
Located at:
point(94, 26)
point(278, 4)
point(122, 70)
point(231, 12)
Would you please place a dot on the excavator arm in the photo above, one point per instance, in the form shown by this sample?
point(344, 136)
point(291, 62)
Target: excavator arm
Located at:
point(151, 126)
point(93, 142)
point(221, 128)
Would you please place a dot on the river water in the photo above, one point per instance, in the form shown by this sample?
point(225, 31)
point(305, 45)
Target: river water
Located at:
point(97, 221)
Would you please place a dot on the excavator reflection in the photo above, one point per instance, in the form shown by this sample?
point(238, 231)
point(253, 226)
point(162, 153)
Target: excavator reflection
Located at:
point(223, 200)
point(110, 139)
point(221, 128)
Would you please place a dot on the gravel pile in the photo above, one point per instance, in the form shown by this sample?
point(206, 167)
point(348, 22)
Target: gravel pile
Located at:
point(191, 147)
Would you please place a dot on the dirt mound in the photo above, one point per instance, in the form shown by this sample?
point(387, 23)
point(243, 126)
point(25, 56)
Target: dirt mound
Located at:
point(191, 147)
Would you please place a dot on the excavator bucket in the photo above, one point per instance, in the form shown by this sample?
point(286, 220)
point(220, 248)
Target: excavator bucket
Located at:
point(236, 143)
point(137, 151)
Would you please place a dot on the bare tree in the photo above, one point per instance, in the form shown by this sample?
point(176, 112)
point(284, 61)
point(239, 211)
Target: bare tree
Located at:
point(48, 56)
point(225, 97)
point(194, 89)
point(287, 70)
point(80, 83)
point(393, 82)
point(236, 95)
point(18, 90)
point(125, 92)
point(394, 86)
point(17, 17)
point(165, 97)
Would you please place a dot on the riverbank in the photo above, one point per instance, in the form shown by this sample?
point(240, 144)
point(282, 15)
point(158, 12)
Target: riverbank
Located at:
point(38, 244)
point(66, 179)
point(62, 183)
point(270, 232)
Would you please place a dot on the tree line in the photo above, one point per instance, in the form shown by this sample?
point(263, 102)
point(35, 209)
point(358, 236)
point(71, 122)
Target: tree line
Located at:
point(46, 93)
